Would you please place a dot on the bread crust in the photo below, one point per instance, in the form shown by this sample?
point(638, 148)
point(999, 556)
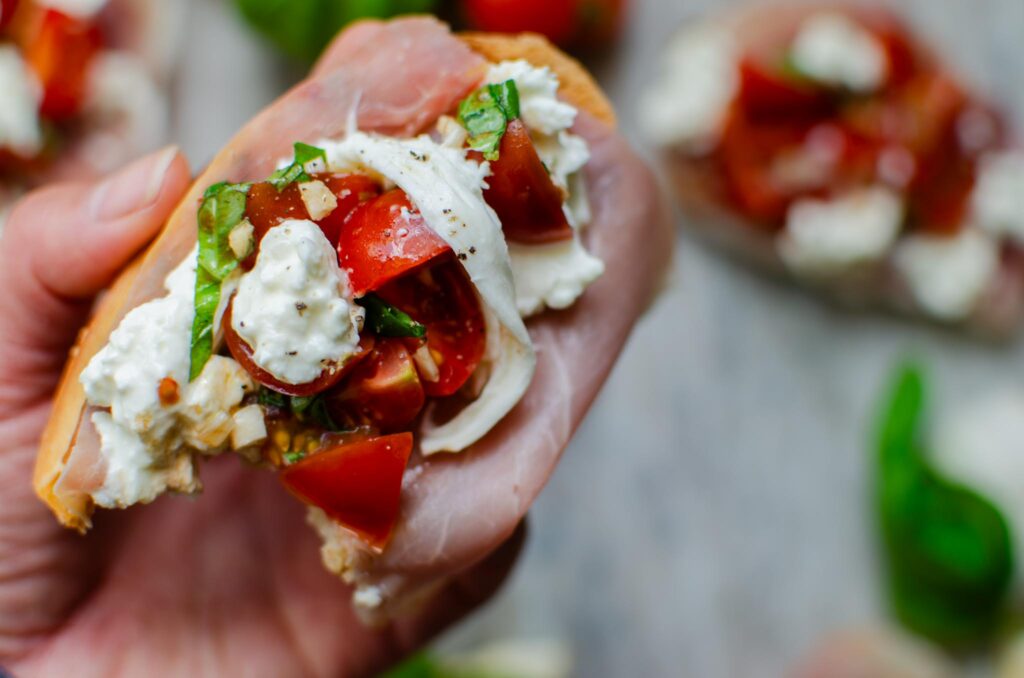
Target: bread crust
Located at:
point(61, 432)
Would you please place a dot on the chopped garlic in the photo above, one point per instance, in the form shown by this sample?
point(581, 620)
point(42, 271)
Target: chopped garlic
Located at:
point(241, 240)
point(319, 199)
point(249, 427)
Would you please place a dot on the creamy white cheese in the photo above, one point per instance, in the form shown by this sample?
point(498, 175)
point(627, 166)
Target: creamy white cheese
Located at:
point(698, 81)
point(77, 8)
point(834, 49)
point(560, 272)
point(447, 188)
point(979, 445)
point(294, 308)
point(148, 444)
point(19, 106)
point(829, 236)
point(998, 196)
point(948, 275)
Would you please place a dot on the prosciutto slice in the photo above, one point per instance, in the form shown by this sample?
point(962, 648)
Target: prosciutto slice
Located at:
point(399, 77)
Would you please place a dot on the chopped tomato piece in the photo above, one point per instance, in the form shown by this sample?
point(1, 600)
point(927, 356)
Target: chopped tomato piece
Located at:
point(383, 391)
point(554, 19)
point(266, 207)
point(522, 193)
point(769, 93)
point(351, 190)
point(7, 9)
point(242, 352)
point(383, 239)
point(60, 50)
point(443, 298)
point(357, 484)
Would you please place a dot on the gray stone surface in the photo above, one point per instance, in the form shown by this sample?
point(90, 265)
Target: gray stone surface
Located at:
point(710, 519)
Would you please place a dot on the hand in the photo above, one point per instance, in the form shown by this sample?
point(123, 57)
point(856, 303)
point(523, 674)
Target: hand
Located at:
point(227, 584)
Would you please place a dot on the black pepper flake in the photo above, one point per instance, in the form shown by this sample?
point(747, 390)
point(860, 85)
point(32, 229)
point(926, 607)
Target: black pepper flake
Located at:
point(293, 353)
point(300, 307)
point(463, 256)
point(446, 210)
point(472, 250)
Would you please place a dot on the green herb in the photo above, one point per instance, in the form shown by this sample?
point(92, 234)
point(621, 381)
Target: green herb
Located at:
point(387, 321)
point(948, 549)
point(271, 398)
point(302, 28)
point(486, 113)
point(222, 209)
point(296, 172)
point(294, 457)
point(314, 409)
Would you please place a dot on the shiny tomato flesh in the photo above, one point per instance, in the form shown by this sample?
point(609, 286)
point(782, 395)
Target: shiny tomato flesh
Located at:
point(350, 190)
point(7, 9)
point(243, 353)
point(766, 93)
point(383, 239)
point(442, 298)
point(60, 51)
point(358, 484)
point(383, 391)
point(522, 194)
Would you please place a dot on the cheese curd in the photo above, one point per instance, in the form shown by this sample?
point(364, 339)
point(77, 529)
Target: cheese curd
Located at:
point(829, 236)
point(294, 308)
point(19, 107)
point(998, 196)
point(979, 445)
point(697, 83)
point(148, 442)
point(551, 275)
point(834, 49)
point(948, 275)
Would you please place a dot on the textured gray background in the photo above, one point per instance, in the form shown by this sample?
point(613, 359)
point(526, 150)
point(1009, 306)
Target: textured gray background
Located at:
point(710, 518)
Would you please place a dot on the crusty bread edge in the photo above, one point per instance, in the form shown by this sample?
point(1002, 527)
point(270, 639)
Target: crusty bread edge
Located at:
point(576, 86)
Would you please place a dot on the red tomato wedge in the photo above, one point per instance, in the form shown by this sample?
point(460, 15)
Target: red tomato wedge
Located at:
point(443, 299)
point(383, 239)
point(7, 9)
point(350, 190)
point(242, 352)
point(522, 194)
point(60, 51)
point(382, 391)
point(358, 484)
point(766, 93)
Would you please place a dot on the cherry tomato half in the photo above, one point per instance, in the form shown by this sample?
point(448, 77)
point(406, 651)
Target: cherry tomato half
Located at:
point(350, 190)
point(358, 484)
point(60, 50)
point(554, 19)
point(443, 298)
point(242, 352)
point(766, 92)
point(383, 239)
point(383, 391)
point(522, 194)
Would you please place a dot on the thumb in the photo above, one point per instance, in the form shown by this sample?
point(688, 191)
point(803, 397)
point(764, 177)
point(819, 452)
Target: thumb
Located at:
point(61, 246)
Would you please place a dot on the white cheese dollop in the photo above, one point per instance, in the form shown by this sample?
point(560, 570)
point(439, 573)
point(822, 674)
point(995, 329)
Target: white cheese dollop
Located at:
point(294, 308)
point(82, 9)
point(829, 236)
point(834, 49)
point(551, 275)
point(998, 196)
point(148, 445)
point(979, 445)
point(697, 83)
point(19, 106)
point(447, 188)
point(948, 275)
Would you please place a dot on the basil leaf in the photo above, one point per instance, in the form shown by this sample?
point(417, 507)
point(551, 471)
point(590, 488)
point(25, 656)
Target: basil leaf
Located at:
point(271, 398)
point(296, 172)
point(387, 321)
point(486, 113)
point(222, 209)
point(294, 457)
point(314, 409)
point(948, 551)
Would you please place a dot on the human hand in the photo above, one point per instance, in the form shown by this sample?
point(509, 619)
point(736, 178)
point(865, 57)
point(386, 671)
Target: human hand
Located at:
point(229, 584)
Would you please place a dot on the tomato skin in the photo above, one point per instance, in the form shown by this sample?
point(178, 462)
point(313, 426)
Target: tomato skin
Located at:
point(383, 391)
point(522, 193)
point(357, 484)
point(350, 190)
point(765, 93)
point(7, 9)
point(242, 352)
point(60, 51)
point(383, 239)
point(443, 299)
point(554, 19)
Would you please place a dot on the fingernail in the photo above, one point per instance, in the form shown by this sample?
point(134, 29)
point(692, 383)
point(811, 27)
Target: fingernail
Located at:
point(133, 188)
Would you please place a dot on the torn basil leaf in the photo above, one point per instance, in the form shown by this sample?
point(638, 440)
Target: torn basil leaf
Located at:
point(314, 409)
point(486, 113)
point(271, 398)
point(296, 172)
point(947, 549)
point(387, 321)
point(222, 208)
